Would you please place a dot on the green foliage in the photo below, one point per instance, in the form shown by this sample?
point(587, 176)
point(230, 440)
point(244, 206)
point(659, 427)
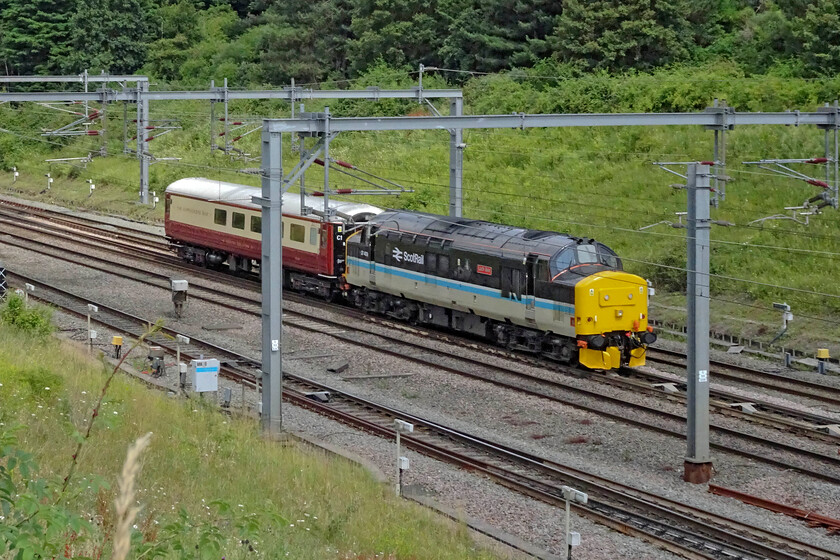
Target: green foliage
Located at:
point(397, 31)
point(498, 34)
point(32, 524)
point(34, 36)
point(109, 36)
point(35, 320)
point(618, 35)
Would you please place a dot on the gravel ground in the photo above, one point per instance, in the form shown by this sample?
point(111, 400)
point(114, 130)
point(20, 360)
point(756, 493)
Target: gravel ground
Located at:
point(630, 455)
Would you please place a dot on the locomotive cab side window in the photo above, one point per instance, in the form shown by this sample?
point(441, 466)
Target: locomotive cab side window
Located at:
point(511, 283)
point(542, 271)
point(313, 236)
point(238, 220)
point(220, 217)
point(256, 224)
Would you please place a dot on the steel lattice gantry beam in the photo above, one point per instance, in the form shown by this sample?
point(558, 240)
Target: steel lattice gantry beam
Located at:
point(710, 118)
point(275, 182)
point(142, 96)
point(218, 95)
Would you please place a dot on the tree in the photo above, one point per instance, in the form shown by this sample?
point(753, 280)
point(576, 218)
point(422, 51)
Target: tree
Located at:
point(34, 36)
point(492, 35)
point(109, 35)
point(817, 33)
point(399, 32)
point(305, 40)
point(619, 35)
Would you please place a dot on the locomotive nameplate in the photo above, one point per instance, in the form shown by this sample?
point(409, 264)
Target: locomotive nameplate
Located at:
point(484, 269)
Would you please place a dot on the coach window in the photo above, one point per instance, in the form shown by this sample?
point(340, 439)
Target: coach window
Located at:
point(238, 220)
point(220, 217)
point(313, 236)
point(297, 233)
point(256, 224)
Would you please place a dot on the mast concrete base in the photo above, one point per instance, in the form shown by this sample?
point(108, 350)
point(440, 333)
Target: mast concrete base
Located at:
point(697, 473)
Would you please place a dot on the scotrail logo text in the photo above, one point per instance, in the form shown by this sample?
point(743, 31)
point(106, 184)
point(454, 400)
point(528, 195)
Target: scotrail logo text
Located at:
point(400, 256)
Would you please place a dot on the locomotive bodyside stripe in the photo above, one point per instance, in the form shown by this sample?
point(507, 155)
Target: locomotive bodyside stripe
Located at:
point(456, 285)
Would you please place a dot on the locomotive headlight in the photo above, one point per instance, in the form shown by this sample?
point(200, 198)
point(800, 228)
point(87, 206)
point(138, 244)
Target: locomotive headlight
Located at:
point(619, 313)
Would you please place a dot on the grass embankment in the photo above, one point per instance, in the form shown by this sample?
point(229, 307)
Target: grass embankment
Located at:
point(590, 182)
point(305, 505)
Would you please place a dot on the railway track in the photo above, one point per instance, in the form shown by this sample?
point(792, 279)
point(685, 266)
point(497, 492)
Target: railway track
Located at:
point(551, 389)
point(758, 378)
point(674, 526)
point(88, 225)
point(771, 414)
point(783, 418)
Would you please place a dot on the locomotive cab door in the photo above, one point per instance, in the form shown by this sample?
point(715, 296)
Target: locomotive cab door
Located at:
point(530, 287)
point(369, 235)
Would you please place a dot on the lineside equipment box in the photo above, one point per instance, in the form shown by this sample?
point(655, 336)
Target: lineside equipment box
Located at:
point(204, 375)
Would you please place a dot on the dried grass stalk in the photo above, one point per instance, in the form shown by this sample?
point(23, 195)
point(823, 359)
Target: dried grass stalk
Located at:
point(126, 511)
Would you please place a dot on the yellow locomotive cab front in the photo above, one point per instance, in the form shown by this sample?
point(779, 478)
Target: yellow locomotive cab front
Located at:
point(611, 320)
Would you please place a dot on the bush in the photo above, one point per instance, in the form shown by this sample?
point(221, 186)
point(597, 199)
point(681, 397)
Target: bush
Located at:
point(35, 320)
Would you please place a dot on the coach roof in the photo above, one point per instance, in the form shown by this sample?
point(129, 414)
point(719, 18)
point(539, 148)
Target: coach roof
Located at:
point(221, 191)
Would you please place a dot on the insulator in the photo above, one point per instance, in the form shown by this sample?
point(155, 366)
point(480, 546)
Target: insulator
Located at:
point(92, 133)
point(817, 160)
point(344, 191)
point(344, 164)
point(817, 183)
point(237, 138)
point(317, 193)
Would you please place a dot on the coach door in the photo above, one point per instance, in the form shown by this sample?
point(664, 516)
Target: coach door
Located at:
point(530, 285)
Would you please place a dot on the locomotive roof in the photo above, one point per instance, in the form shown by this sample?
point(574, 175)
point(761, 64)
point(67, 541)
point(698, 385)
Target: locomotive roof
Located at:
point(474, 235)
point(221, 191)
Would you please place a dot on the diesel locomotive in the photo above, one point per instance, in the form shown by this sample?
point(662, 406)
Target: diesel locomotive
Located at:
point(564, 297)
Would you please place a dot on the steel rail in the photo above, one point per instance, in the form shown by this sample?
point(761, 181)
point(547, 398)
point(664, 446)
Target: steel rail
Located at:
point(598, 396)
point(621, 510)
